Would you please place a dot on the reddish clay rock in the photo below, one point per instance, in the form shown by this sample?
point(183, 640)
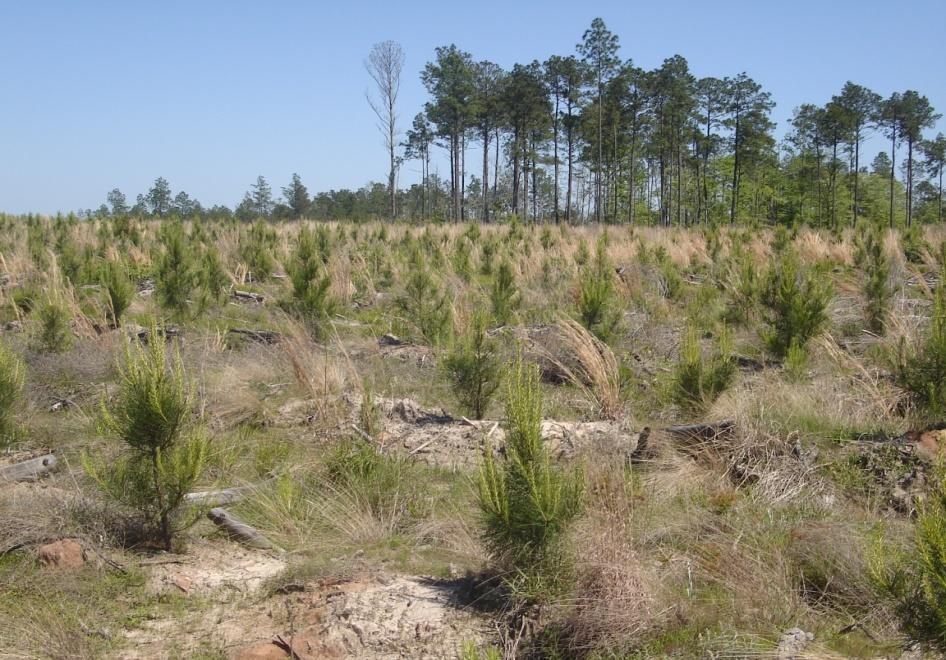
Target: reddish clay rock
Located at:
point(65, 554)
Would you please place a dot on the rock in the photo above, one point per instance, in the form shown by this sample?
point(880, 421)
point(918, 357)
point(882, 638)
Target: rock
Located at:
point(387, 339)
point(182, 582)
point(12, 326)
point(792, 643)
point(63, 554)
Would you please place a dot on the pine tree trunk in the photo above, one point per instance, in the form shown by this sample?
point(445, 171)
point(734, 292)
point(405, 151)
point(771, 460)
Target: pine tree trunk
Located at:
point(555, 155)
point(734, 202)
point(485, 172)
point(893, 168)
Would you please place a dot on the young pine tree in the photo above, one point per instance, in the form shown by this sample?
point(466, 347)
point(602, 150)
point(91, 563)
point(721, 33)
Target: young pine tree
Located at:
point(795, 303)
point(503, 294)
point(311, 299)
point(472, 368)
point(877, 282)
point(11, 388)
point(921, 370)
point(526, 502)
point(424, 305)
point(597, 304)
point(697, 381)
point(164, 456)
point(118, 291)
point(176, 269)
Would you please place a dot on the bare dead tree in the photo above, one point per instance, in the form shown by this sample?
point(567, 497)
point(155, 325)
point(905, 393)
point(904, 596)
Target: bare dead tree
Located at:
point(384, 64)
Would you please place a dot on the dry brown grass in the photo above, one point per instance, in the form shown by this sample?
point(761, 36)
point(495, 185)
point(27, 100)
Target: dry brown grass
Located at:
point(593, 370)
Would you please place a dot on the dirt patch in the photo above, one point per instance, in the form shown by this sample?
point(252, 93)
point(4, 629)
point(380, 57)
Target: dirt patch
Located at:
point(378, 616)
point(438, 438)
point(209, 566)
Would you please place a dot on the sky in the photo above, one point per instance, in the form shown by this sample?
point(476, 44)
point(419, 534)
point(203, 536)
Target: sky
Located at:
point(99, 95)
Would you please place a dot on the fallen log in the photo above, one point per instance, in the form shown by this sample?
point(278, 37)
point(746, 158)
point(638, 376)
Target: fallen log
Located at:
point(248, 295)
point(240, 530)
point(262, 336)
point(31, 470)
point(704, 431)
point(218, 497)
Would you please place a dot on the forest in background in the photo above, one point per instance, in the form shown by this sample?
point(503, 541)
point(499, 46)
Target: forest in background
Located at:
point(589, 136)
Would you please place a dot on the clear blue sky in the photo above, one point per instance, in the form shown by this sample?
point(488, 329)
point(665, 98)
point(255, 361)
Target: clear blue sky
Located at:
point(97, 95)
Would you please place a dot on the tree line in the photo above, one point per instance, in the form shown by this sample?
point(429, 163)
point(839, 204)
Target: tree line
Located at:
point(591, 137)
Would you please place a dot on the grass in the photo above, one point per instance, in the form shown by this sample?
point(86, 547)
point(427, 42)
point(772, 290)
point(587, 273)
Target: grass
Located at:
point(682, 548)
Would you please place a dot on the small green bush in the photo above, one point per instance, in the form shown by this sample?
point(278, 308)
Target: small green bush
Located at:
point(256, 250)
point(697, 382)
point(54, 334)
point(877, 288)
point(503, 294)
point(597, 299)
point(921, 370)
point(212, 278)
point(176, 269)
point(913, 576)
point(118, 290)
point(743, 288)
point(796, 359)
point(164, 456)
point(526, 502)
point(472, 368)
point(425, 306)
point(11, 389)
point(311, 299)
point(795, 303)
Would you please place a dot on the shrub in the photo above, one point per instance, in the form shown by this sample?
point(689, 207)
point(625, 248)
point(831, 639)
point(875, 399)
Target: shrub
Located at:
point(921, 371)
point(425, 306)
point(311, 300)
point(596, 296)
point(55, 335)
point(163, 456)
point(525, 501)
point(472, 367)
point(256, 250)
point(176, 269)
point(796, 359)
point(931, 545)
point(11, 388)
point(743, 288)
point(915, 247)
point(876, 285)
point(795, 302)
point(212, 278)
point(697, 382)
point(914, 577)
point(671, 284)
point(119, 291)
point(503, 294)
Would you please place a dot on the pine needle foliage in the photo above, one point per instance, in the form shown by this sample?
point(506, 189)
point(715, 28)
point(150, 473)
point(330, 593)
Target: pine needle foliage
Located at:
point(596, 295)
point(472, 368)
point(526, 502)
point(877, 288)
point(118, 291)
point(921, 370)
point(163, 455)
point(697, 381)
point(176, 271)
point(11, 389)
point(795, 303)
point(424, 305)
point(504, 294)
point(311, 299)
